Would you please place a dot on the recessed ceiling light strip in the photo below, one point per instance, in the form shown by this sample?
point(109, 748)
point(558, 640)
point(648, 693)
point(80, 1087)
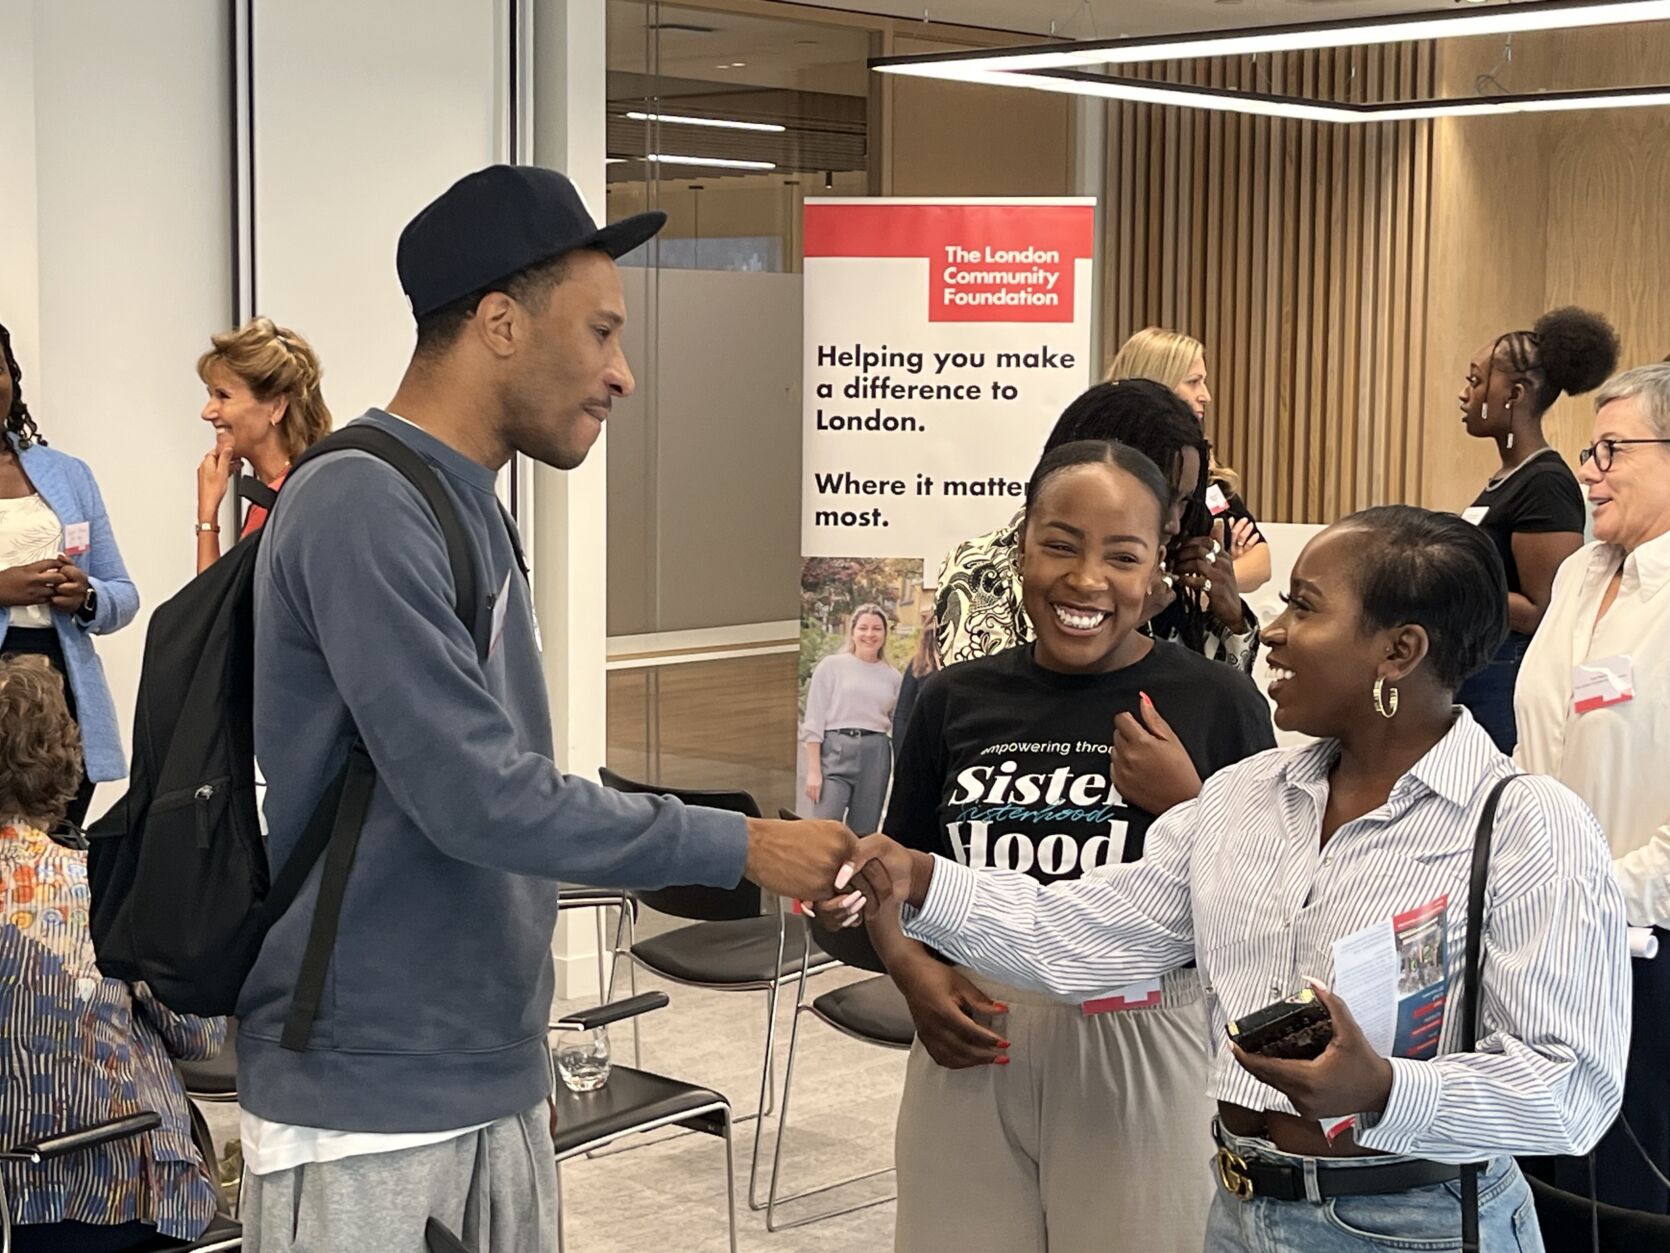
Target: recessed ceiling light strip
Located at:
point(720, 123)
point(1338, 33)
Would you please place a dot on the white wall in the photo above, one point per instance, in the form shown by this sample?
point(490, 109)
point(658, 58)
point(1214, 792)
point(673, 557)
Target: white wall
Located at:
point(364, 112)
point(1287, 540)
point(19, 272)
point(116, 247)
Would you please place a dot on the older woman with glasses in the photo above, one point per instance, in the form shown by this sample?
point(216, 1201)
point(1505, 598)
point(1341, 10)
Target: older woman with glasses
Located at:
point(1593, 706)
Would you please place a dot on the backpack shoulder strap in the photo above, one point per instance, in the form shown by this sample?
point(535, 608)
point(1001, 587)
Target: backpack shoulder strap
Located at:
point(1472, 976)
point(256, 492)
point(333, 830)
point(415, 470)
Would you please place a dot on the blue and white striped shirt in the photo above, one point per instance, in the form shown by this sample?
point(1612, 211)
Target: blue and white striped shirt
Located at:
point(1238, 881)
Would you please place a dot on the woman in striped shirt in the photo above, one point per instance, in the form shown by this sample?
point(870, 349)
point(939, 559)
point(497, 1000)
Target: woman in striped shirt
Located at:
point(80, 1049)
point(1288, 854)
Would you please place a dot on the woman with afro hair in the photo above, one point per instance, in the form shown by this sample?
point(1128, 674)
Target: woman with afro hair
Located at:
point(1532, 507)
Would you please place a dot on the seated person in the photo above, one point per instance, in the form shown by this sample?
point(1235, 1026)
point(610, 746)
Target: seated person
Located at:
point(80, 1049)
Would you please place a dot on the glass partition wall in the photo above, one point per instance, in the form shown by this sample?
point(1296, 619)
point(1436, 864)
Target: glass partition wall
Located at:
point(727, 122)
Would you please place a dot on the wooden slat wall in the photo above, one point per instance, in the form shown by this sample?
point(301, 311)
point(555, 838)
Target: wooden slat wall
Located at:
point(1297, 253)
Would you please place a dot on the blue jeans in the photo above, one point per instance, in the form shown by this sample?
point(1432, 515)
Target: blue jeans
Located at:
point(1420, 1220)
point(1488, 695)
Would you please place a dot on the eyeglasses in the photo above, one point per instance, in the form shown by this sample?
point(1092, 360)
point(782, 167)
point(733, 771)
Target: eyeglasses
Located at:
point(1602, 451)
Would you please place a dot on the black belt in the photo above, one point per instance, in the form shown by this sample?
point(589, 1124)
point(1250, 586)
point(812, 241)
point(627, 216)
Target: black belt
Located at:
point(1248, 1176)
point(854, 731)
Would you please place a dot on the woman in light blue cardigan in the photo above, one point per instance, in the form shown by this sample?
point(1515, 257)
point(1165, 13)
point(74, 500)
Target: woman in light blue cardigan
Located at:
point(62, 580)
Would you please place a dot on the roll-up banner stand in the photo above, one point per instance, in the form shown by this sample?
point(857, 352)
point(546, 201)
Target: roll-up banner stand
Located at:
point(943, 339)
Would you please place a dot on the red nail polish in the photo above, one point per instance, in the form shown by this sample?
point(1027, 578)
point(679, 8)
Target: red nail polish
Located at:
point(1002, 1061)
point(1003, 1044)
point(1002, 1009)
point(1146, 701)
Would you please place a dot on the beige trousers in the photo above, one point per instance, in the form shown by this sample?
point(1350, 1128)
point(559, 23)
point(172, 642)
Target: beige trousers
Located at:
point(1093, 1139)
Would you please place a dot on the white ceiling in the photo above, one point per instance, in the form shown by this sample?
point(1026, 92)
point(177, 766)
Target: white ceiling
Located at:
point(1110, 19)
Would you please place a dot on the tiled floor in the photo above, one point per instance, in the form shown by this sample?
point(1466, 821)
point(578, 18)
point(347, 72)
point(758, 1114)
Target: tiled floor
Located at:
point(668, 1191)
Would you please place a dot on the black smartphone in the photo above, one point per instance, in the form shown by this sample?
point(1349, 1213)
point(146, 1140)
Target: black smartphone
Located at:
point(1297, 1027)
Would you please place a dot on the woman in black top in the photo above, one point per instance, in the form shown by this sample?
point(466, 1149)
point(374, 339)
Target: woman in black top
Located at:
point(1532, 507)
point(1011, 761)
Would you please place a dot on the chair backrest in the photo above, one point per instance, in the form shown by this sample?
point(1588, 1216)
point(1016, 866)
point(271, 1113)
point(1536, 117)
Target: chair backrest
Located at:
point(694, 901)
point(1565, 1220)
point(850, 945)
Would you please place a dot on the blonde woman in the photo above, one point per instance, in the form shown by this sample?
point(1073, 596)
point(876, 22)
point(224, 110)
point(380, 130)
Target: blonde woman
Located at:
point(266, 408)
point(849, 711)
point(1176, 361)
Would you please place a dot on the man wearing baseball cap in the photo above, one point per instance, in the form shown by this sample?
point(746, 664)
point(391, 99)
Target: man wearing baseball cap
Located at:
point(422, 1091)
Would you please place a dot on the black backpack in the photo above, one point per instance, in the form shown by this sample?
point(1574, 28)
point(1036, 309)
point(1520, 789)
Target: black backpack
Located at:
point(181, 892)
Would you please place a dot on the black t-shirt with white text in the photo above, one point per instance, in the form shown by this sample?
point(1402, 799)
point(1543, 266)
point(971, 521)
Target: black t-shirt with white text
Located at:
point(1008, 765)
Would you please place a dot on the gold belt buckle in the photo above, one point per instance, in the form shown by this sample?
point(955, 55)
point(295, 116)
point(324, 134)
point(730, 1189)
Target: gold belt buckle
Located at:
point(1232, 1174)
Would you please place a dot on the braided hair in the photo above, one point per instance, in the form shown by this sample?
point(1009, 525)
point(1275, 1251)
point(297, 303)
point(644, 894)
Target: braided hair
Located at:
point(1569, 350)
point(19, 421)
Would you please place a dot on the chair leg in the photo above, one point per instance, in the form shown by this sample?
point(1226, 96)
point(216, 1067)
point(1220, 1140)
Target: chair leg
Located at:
point(627, 924)
point(730, 1179)
point(597, 934)
point(789, 1075)
point(783, 1118)
point(768, 1072)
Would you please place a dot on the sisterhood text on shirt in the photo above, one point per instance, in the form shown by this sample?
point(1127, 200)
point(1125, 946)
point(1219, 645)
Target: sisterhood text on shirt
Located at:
point(1002, 805)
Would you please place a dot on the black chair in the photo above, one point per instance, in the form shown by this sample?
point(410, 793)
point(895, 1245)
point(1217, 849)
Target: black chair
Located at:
point(872, 1011)
point(601, 901)
point(734, 943)
point(635, 1101)
point(213, 1081)
point(222, 1236)
point(1568, 1223)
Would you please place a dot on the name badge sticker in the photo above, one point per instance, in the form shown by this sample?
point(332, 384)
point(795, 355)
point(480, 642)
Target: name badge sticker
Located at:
point(1143, 994)
point(1597, 684)
point(1216, 501)
point(78, 538)
point(1475, 515)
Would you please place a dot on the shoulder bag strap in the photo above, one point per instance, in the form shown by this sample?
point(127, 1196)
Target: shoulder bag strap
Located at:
point(333, 831)
point(1471, 990)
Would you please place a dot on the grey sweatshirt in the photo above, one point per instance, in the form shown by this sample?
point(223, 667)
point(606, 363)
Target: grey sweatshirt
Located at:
point(434, 1014)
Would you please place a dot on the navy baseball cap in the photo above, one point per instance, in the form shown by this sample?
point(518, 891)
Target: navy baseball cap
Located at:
point(490, 224)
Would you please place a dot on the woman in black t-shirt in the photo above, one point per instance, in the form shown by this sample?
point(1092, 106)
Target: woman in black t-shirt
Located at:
point(1076, 1128)
point(1532, 507)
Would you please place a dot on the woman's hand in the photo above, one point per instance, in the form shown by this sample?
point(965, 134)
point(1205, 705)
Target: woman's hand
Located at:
point(814, 784)
point(33, 584)
point(1348, 1078)
point(1151, 768)
point(951, 1014)
point(889, 874)
point(214, 473)
point(1243, 538)
point(838, 912)
point(1206, 567)
point(72, 586)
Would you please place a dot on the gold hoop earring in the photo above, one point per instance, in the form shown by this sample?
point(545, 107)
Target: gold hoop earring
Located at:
point(1386, 708)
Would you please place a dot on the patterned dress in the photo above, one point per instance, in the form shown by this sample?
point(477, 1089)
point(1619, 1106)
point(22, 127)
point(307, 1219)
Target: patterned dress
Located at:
point(978, 605)
point(82, 1049)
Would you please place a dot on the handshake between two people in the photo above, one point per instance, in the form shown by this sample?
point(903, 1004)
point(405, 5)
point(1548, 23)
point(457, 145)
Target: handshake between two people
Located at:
point(822, 862)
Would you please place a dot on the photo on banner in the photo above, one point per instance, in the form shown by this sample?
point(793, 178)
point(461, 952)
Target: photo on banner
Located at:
point(942, 340)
